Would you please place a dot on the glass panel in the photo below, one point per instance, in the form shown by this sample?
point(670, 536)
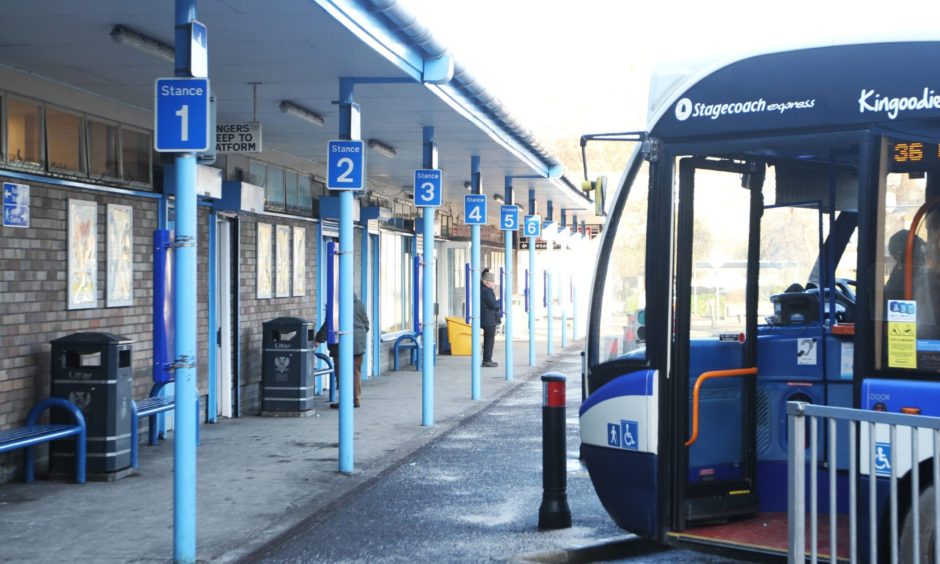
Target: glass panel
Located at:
point(64, 140)
point(24, 132)
point(102, 149)
point(306, 193)
point(786, 262)
point(624, 298)
point(293, 196)
point(274, 190)
point(135, 148)
point(908, 321)
point(258, 174)
point(391, 280)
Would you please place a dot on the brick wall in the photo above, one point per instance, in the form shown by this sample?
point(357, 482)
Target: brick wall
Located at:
point(33, 294)
point(253, 312)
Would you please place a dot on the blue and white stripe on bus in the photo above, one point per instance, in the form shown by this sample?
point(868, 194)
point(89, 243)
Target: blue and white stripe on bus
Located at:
point(623, 414)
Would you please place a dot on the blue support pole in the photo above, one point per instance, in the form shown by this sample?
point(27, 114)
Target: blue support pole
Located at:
point(574, 292)
point(212, 401)
point(185, 282)
point(476, 356)
point(574, 311)
point(508, 196)
point(348, 129)
point(429, 161)
point(376, 321)
point(549, 296)
point(531, 284)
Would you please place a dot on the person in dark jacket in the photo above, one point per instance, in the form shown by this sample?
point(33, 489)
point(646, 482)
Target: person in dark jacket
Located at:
point(360, 332)
point(489, 316)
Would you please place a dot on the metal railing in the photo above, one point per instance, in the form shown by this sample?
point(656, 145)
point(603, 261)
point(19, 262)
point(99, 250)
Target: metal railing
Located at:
point(879, 458)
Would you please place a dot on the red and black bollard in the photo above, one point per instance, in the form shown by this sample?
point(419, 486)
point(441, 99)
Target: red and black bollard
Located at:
point(554, 512)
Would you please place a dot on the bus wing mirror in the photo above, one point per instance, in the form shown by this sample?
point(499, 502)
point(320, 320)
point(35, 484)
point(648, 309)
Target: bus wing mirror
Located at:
point(600, 194)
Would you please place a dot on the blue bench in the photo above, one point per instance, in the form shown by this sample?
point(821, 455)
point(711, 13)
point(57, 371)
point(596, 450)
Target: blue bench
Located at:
point(150, 407)
point(34, 433)
point(408, 342)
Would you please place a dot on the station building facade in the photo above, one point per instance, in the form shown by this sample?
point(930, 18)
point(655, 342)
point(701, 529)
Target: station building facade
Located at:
point(85, 263)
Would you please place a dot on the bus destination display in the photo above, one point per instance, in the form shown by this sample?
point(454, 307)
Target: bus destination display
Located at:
point(914, 156)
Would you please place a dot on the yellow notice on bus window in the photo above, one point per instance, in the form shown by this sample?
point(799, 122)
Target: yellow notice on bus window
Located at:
point(902, 334)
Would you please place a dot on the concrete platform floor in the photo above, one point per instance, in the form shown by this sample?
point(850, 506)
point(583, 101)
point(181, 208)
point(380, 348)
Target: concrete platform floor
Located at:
point(257, 476)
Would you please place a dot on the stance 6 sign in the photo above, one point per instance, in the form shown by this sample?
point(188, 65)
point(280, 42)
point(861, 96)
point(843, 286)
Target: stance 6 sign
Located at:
point(509, 218)
point(346, 165)
point(474, 209)
point(181, 121)
point(532, 226)
point(428, 188)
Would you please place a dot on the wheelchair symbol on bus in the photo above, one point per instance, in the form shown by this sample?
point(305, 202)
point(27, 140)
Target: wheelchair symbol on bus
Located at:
point(625, 435)
point(882, 459)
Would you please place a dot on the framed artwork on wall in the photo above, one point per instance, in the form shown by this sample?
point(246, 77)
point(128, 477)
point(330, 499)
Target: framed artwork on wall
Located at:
point(300, 261)
point(120, 255)
point(264, 261)
point(82, 255)
point(282, 262)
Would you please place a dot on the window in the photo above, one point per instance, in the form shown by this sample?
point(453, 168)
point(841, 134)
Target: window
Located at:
point(64, 141)
point(257, 174)
point(24, 133)
point(274, 188)
point(908, 322)
point(136, 153)
point(102, 149)
point(305, 189)
point(293, 194)
point(624, 290)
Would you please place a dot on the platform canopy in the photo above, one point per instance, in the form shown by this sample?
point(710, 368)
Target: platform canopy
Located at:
point(297, 50)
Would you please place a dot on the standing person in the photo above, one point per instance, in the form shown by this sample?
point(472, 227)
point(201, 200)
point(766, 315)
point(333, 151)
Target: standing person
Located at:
point(360, 332)
point(489, 317)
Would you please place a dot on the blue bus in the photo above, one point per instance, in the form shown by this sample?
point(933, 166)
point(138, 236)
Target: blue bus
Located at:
point(774, 238)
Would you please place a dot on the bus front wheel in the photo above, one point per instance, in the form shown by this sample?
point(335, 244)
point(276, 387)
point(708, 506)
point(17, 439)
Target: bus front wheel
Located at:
point(906, 550)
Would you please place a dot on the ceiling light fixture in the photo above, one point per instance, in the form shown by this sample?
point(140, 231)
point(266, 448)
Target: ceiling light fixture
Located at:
point(498, 198)
point(467, 186)
point(301, 112)
point(127, 36)
point(386, 151)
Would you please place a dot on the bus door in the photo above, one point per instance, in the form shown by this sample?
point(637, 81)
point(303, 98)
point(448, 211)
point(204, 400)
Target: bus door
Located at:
point(714, 355)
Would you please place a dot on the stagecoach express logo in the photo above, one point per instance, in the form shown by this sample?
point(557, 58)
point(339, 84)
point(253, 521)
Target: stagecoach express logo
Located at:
point(871, 101)
point(686, 109)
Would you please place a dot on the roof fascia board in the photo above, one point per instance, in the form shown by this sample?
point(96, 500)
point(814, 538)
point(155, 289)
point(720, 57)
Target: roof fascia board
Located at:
point(372, 31)
point(468, 109)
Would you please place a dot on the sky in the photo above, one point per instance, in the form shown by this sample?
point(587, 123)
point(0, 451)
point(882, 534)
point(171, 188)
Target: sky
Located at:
point(568, 67)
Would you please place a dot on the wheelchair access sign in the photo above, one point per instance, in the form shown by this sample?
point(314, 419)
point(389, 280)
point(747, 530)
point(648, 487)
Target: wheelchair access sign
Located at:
point(623, 435)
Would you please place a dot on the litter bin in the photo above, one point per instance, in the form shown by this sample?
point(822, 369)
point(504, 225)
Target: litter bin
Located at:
point(458, 333)
point(93, 371)
point(287, 381)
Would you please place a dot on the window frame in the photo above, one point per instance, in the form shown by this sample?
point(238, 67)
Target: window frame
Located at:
point(82, 149)
point(25, 165)
point(88, 147)
point(149, 134)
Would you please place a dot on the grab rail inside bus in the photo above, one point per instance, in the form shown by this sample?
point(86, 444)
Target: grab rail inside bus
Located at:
point(909, 247)
point(698, 387)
